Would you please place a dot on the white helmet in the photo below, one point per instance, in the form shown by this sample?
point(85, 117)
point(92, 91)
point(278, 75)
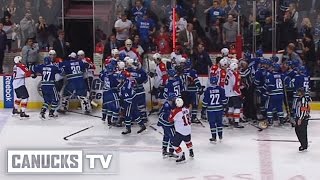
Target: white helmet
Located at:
point(130, 61)
point(128, 44)
point(183, 60)
point(233, 66)
point(52, 52)
point(80, 53)
point(114, 52)
point(156, 56)
point(234, 60)
point(179, 102)
point(225, 52)
point(126, 59)
point(73, 55)
point(17, 59)
point(224, 62)
point(121, 65)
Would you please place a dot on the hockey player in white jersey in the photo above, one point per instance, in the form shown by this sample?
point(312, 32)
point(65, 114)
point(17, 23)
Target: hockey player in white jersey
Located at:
point(180, 116)
point(20, 73)
point(233, 93)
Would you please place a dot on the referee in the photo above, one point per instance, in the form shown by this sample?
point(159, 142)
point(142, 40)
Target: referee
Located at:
point(302, 117)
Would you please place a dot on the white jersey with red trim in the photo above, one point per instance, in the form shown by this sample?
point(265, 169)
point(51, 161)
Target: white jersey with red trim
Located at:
point(181, 119)
point(232, 83)
point(162, 77)
point(90, 71)
point(20, 72)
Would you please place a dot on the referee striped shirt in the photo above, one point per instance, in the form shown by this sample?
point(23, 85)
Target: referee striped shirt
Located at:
point(302, 108)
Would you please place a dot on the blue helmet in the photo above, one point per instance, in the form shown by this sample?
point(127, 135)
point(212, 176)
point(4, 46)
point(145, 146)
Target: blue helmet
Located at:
point(121, 77)
point(259, 53)
point(295, 62)
point(172, 72)
point(171, 96)
point(302, 70)
point(122, 56)
point(213, 80)
point(47, 60)
point(275, 59)
point(276, 67)
point(110, 68)
point(188, 64)
point(263, 61)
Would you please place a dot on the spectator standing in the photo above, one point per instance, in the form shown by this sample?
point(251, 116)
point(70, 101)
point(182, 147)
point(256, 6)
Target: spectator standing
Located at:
point(29, 7)
point(146, 28)
point(198, 14)
point(122, 27)
point(229, 31)
point(232, 8)
point(3, 40)
point(137, 44)
point(30, 53)
point(306, 27)
point(156, 13)
point(309, 53)
point(288, 34)
point(201, 61)
point(294, 14)
point(50, 11)
point(216, 15)
point(27, 25)
point(163, 41)
point(8, 27)
point(263, 11)
point(42, 33)
point(12, 10)
point(110, 44)
point(138, 11)
point(188, 39)
point(61, 46)
point(267, 35)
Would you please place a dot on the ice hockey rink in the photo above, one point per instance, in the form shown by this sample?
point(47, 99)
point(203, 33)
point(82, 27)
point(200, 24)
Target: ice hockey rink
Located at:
point(238, 156)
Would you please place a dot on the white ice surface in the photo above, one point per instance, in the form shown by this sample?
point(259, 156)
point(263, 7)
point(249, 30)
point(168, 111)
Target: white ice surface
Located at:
point(239, 156)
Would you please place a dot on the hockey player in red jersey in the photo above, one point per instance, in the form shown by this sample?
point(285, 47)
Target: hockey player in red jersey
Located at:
point(220, 71)
point(180, 116)
point(130, 51)
point(233, 93)
point(20, 73)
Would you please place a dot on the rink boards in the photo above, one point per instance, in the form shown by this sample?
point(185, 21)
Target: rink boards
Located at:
point(35, 99)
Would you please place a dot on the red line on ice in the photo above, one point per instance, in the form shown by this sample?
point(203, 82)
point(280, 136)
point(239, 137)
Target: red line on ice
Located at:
point(265, 156)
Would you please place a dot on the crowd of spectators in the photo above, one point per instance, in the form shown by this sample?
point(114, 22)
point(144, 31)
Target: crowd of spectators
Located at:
point(213, 24)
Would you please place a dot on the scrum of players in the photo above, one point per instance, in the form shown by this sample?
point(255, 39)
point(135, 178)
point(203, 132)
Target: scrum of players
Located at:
point(233, 88)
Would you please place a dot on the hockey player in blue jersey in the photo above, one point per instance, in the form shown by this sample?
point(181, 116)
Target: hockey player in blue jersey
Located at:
point(193, 87)
point(274, 90)
point(174, 84)
point(110, 107)
point(76, 85)
point(49, 92)
point(301, 80)
point(259, 82)
point(140, 76)
point(214, 101)
point(128, 96)
point(168, 128)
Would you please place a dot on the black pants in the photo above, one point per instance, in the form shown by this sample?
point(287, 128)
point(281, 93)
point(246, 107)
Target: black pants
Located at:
point(302, 133)
point(1, 61)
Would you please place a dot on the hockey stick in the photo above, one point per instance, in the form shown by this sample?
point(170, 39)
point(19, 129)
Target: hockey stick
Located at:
point(256, 126)
point(286, 99)
point(149, 79)
point(155, 129)
point(66, 138)
point(75, 112)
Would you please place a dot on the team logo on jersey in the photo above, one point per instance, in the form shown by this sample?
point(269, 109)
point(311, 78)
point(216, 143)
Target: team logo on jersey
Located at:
point(8, 91)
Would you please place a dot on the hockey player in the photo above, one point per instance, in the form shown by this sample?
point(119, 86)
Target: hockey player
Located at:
point(259, 82)
point(160, 80)
point(168, 128)
point(213, 102)
point(110, 107)
point(20, 73)
point(194, 88)
point(128, 96)
point(49, 92)
point(89, 74)
point(139, 75)
point(301, 80)
point(129, 51)
point(174, 84)
point(274, 90)
point(180, 116)
point(233, 93)
point(302, 112)
point(115, 57)
point(76, 85)
point(220, 71)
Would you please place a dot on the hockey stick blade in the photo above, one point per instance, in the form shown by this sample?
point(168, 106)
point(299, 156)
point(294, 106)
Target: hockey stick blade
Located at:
point(259, 128)
point(85, 114)
point(155, 129)
point(66, 138)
